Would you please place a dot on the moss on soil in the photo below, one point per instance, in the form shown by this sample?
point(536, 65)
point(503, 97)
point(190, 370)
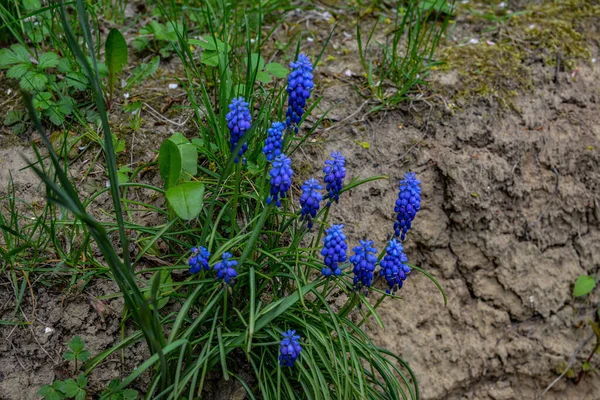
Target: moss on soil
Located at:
point(497, 70)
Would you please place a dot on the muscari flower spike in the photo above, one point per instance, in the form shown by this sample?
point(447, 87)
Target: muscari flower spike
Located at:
point(281, 179)
point(274, 140)
point(226, 269)
point(309, 200)
point(393, 267)
point(300, 84)
point(334, 251)
point(408, 203)
point(289, 349)
point(364, 260)
point(238, 122)
point(199, 259)
point(334, 172)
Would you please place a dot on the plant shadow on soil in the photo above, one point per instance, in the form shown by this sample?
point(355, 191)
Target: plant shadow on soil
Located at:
point(510, 217)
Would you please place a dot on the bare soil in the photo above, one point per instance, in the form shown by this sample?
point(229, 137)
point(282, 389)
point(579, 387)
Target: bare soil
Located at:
point(510, 217)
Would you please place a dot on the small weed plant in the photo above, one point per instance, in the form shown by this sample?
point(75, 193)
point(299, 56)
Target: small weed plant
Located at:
point(395, 64)
point(263, 260)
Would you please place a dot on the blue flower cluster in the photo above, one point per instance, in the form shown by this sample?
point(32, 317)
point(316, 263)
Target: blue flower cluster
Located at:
point(274, 140)
point(226, 269)
point(334, 251)
point(334, 172)
point(289, 349)
point(364, 260)
point(199, 260)
point(393, 267)
point(408, 203)
point(300, 84)
point(239, 121)
point(281, 179)
point(309, 200)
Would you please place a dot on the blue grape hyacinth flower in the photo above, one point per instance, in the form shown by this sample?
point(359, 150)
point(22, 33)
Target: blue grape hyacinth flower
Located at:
point(300, 84)
point(281, 179)
point(408, 203)
point(335, 172)
point(393, 267)
point(334, 251)
point(226, 269)
point(310, 200)
point(364, 260)
point(199, 259)
point(239, 121)
point(274, 140)
point(289, 349)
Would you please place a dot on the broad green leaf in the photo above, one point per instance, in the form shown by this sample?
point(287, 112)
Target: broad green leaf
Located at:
point(17, 71)
point(169, 163)
point(123, 174)
point(71, 388)
point(64, 66)
point(17, 54)
point(277, 70)
point(76, 80)
point(13, 116)
point(210, 58)
point(186, 199)
point(55, 115)
point(116, 56)
point(256, 60)
point(33, 81)
point(82, 381)
point(66, 104)
point(583, 285)
point(32, 5)
point(263, 77)
point(69, 355)
point(48, 60)
point(51, 392)
point(76, 344)
point(188, 152)
point(42, 101)
point(140, 43)
point(209, 43)
point(84, 355)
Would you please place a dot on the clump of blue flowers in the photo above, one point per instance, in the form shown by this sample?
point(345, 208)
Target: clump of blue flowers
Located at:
point(238, 122)
point(300, 84)
point(393, 267)
point(334, 251)
point(274, 140)
point(364, 260)
point(289, 349)
point(281, 179)
point(335, 172)
point(226, 269)
point(310, 200)
point(199, 259)
point(408, 203)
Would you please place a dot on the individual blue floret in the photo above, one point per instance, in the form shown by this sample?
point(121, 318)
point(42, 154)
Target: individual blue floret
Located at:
point(310, 200)
point(281, 179)
point(225, 269)
point(393, 267)
point(334, 251)
point(199, 259)
point(300, 84)
point(408, 203)
point(238, 122)
point(289, 349)
point(274, 140)
point(334, 172)
point(364, 260)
